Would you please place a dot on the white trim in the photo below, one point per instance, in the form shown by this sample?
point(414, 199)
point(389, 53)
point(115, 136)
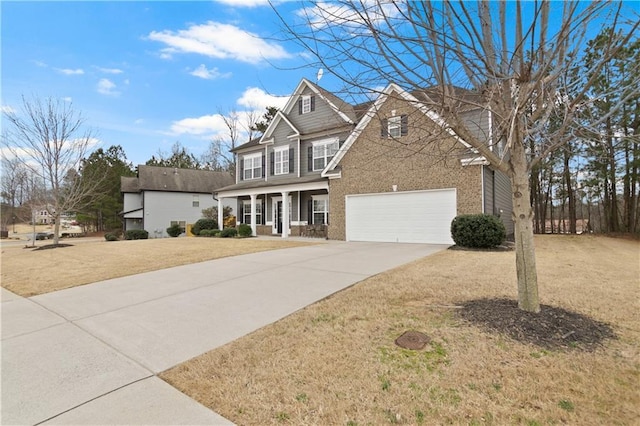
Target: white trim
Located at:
point(306, 99)
point(309, 186)
point(267, 136)
point(482, 189)
point(476, 161)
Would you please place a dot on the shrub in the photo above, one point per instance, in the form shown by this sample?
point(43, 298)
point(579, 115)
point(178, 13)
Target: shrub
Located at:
point(174, 230)
point(203, 224)
point(228, 233)
point(109, 236)
point(478, 231)
point(136, 234)
point(245, 230)
point(209, 232)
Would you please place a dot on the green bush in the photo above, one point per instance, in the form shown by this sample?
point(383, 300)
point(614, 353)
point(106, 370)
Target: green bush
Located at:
point(174, 230)
point(228, 233)
point(109, 236)
point(209, 232)
point(478, 231)
point(203, 224)
point(136, 234)
point(244, 230)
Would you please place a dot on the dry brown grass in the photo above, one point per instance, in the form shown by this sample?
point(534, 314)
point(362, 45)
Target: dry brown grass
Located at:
point(29, 272)
point(335, 362)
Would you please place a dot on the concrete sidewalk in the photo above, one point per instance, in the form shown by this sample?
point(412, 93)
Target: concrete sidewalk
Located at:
point(89, 354)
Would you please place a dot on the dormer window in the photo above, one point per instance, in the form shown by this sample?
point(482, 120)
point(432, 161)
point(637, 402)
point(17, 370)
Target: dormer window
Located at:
point(395, 126)
point(306, 104)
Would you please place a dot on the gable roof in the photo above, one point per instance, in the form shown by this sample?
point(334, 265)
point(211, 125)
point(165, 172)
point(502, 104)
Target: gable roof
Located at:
point(340, 107)
point(169, 179)
point(274, 124)
point(332, 169)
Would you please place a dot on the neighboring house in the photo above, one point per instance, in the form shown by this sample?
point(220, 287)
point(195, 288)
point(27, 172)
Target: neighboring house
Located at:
point(162, 196)
point(365, 173)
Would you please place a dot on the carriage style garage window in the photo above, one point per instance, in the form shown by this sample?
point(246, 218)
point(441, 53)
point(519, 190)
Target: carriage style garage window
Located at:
point(281, 161)
point(246, 212)
point(323, 152)
point(320, 210)
point(252, 165)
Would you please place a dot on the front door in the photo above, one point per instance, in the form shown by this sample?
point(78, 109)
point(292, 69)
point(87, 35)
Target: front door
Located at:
point(279, 217)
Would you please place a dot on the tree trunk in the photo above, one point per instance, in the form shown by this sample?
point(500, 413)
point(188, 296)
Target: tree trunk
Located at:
point(56, 228)
point(523, 232)
point(570, 192)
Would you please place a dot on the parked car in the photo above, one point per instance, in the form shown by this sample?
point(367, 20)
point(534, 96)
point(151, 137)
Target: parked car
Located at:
point(44, 236)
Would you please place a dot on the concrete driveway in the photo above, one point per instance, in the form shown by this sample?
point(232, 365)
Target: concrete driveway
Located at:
point(89, 354)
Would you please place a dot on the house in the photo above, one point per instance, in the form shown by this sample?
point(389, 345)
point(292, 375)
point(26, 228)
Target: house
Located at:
point(366, 172)
point(162, 196)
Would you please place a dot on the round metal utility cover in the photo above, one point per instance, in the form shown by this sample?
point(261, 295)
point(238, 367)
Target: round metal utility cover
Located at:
point(413, 340)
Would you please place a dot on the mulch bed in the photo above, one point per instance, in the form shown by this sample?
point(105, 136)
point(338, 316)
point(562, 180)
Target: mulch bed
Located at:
point(552, 328)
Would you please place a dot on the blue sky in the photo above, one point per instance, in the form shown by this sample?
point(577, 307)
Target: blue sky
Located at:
point(148, 74)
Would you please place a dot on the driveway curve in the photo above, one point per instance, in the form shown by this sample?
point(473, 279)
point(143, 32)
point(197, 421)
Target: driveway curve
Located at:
point(89, 354)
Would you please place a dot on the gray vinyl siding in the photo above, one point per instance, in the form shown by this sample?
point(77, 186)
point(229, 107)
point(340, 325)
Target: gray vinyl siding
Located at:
point(478, 123)
point(280, 139)
point(323, 117)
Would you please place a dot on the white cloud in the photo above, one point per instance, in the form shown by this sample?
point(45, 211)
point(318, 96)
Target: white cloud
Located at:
point(110, 70)
point(348, 17)
point(107, 87)
point(7, 109)
point(209, 74)
point(68, 71)
point(67, 99)
point(40, 64)
point(244, 3)
point(217, 40)
point(139, 121)
point(258, 99)
point(204, 125)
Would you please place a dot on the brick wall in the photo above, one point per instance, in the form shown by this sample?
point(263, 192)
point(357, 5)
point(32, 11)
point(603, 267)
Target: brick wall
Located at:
point(426, 158)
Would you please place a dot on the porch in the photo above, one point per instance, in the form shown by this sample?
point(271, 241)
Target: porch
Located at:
point(295, 209)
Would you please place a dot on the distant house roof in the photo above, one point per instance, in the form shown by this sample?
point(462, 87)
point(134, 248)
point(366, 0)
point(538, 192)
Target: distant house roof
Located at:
point(169, 179)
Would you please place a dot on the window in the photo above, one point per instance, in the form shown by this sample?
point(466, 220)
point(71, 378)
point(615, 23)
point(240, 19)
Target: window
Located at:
point(181, 223)
point(281, 161)
point(196, 201)
point(252, 165)
point(320, 211)
point(394, 126)
point(323, 152)
point(246, 212)
point(306, 104)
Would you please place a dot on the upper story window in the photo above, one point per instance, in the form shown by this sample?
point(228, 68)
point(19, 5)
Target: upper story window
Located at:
point(252, 166)
point(281, 161)
point(306, 104)
point(322, 153)
point(395, 126)
point(196, 201)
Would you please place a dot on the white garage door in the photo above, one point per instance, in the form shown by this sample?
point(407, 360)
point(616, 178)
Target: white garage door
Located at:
point(403, 217)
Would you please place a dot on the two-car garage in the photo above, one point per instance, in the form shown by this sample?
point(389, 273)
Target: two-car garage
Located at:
point(403, 217)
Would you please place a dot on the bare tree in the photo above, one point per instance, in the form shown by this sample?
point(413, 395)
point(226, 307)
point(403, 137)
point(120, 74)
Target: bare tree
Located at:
point(517, 55)
point(48, 136)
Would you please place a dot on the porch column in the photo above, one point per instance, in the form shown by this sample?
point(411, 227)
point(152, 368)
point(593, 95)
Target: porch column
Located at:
point(285, 214)
point(220, 214)
point(254, 231)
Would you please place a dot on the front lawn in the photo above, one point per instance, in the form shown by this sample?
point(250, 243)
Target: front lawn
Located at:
point(335, 362)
